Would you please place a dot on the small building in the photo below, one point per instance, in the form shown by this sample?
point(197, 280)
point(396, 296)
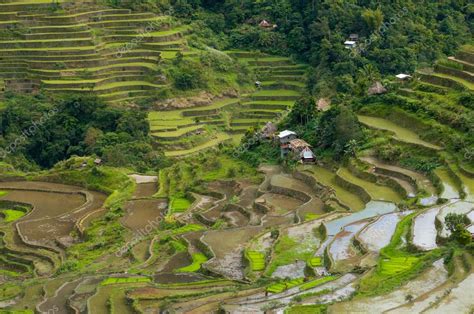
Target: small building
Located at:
point(307, 156)
point(354, 37)
point(298, 145)
point(269, 130)
point(302, 150)
point(403, 77)
point(98, 162)
point(323, 104)
point(350, 44)
point(258, 84)
point(285, 137)
point(267, 25)
point(376, 89)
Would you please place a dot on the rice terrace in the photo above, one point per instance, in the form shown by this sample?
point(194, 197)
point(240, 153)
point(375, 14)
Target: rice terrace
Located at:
point(236, 156)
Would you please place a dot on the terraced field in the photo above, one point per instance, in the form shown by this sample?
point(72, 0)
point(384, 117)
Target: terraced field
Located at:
point(190, 130)
point(82, 46)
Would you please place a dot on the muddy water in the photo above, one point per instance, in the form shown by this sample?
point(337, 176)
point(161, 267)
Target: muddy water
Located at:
point(236, 219)
point(327, 178)
point(227, 246)
point(55, 213)
point(58, 303)
point(282, 204)
point(287, 181)
point(145, 190)
point(143, 213)
point(46, 204)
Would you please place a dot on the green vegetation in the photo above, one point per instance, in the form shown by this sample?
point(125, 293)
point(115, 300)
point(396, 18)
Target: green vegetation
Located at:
point(307, 309)
point(397, 263)
point(198, 260)
point(285, 285)
point(256, 259)
point(124, 280)
point(179, 204)
point(317, 282)
point(12, 214)
point(315, 262)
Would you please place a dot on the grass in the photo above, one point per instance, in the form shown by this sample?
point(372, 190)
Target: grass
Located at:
point(12, 214)
point(221, 137)
point(315, 262)
point(198, 260)
point(256, 259)
point(317, 282)
point(187, 228)
point(285, 285)
point(125, 280)
point(179, 204)
point(287, 250)
point(307, 309)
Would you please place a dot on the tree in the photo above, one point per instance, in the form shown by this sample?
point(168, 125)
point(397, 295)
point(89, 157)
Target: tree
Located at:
point(303, 111)
point(453, 220)
point(373, 19)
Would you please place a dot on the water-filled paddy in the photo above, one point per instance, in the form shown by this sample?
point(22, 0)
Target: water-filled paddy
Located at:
point(424, 230)
point(378, 234)
point(450, 188)
point(341, 248)
point(460, 207)
point(372, 209)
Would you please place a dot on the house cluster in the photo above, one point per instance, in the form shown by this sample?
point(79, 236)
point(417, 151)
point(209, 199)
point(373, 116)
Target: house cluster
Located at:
point(352, 41)
point(291, 144)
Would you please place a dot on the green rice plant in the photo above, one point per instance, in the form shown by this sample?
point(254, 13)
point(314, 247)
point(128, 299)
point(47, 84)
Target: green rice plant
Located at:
point(315, 262)
point(187, 228)
point(256, 259)
point(3, 193)
point(12, 214)
point(397, 263)
point(285, 285)
point(124, 280)
point(179, 204)
point(317, 282)
point(307, 309)
point(198, 260)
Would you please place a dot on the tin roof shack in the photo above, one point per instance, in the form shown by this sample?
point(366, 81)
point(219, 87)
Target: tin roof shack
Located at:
point(267, 25)
point(285, 137)
point(403, 77)
point(307, 156)
point(350, 44)
point(302, 150)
